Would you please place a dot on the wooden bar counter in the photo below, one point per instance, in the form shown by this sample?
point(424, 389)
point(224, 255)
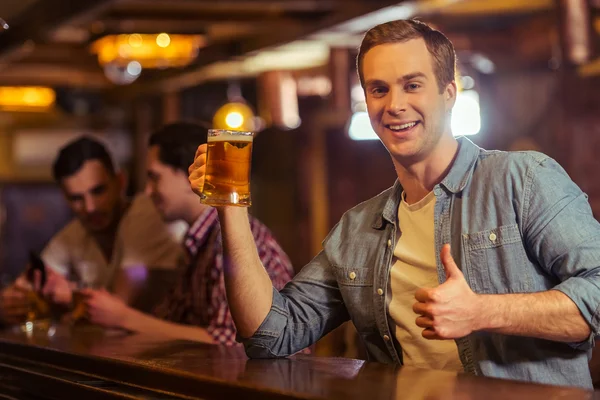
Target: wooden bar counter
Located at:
point(89, 363)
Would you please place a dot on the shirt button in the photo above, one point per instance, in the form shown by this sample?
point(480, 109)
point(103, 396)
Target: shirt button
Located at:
point(493, 237)
point(352, 275)
point(389, 243)
point(386, 338)
point(380, 291)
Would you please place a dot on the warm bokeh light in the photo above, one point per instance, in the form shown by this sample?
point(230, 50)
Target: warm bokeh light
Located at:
point(234, 119)
point(163, 40)
point(135, 40)
point(26, 98)
point(150, 50)
point(234, 116)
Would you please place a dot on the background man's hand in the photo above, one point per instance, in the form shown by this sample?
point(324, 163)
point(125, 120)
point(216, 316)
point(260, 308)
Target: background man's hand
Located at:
point(104, 308)
point(15, 301)
point(57, 289)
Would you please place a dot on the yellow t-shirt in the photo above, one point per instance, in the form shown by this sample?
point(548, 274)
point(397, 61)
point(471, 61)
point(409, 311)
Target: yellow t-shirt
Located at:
point(414, 267)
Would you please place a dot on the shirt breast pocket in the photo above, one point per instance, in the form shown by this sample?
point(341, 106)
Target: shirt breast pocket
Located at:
point(356, 287)
point(496, 261)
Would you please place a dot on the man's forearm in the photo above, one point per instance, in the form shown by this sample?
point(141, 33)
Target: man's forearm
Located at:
point(550, 315)
point(248, 286)
point(139, 322)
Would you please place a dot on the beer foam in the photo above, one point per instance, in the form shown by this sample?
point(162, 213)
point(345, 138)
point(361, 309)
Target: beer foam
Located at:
point(231, 137)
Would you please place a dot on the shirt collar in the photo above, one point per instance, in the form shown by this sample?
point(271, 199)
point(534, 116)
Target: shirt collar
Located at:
point(462, 168)
point(198, 232)
point(390, 209)
point(455, 181)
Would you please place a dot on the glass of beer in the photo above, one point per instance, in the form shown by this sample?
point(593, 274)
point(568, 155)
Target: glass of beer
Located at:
point(79, 307)
point(227, 177)
point(38, 317)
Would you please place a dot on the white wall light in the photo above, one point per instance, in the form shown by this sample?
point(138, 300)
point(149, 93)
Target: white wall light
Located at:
point(466, 115)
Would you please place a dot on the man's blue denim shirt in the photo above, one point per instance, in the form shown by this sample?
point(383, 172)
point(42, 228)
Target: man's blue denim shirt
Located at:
point(516, 223)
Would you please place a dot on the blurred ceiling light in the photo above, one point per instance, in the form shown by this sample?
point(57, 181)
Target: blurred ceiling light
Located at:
point(123, 74)
point(405, 10)
point(3, 24)
point(313, 86)
point(284, 58)
point(292, 56)
point(135, 40)
point(150, 50)
point(163, 40)
point(466, 82)
point(483, 64)
point(235, 116)
point(26, 98)
point(234, 119)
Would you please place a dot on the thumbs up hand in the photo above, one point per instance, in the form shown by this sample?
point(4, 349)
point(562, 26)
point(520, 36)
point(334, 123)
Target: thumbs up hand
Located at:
point(451, 310)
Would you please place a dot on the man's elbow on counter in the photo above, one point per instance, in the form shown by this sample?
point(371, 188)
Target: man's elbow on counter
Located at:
point(255, 351)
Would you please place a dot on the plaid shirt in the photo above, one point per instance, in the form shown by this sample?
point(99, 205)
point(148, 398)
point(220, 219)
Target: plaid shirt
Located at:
point(199, 296)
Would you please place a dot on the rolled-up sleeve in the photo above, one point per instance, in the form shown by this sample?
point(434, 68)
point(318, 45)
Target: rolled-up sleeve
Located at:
point(306, 309)
point(564, 237)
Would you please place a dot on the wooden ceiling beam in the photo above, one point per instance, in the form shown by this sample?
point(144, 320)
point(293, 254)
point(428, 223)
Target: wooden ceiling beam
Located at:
point(513, 39)
point(231, 6)
point(43, 18)
point(52, 75)
point(478, 8)
point(231, 15)
point(170, 80)
point(196, 25)
point(531, 45)
point(477, 25)
point(53, 53)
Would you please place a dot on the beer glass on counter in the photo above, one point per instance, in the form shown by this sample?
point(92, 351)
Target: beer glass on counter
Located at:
point(85, 279)
point(79, 308)
point(228, 160)
point(38, 315)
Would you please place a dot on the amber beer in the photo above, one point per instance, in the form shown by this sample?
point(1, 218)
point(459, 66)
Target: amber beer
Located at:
point(227, 177)
point(79, 307)
point(38, 309)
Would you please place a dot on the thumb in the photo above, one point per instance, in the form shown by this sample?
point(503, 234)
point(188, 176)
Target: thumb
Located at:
point(450, 266)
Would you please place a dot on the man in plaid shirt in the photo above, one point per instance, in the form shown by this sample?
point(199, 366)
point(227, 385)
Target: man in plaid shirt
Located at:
point(196, 307)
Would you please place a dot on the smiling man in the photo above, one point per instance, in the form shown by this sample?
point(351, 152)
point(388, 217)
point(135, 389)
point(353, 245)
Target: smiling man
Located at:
point(515, 296)
point(111, 243)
